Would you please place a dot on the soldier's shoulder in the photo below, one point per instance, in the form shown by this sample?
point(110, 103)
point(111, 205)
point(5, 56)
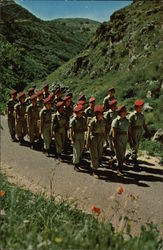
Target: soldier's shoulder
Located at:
point(17, 105)
point(29, 107)
point(43, 110)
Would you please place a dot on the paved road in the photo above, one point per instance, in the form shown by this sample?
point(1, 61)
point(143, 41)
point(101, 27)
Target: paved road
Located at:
point(35, 171)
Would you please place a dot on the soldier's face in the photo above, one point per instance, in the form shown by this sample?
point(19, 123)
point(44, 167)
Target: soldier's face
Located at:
point(14, 96)
point(46, 90)
point(48, 105)
point(40, 97)
point(68, 102)
point(34, 102)
point(99, 116)
point(92, 104)
point(61, 109)
point(79, 114)
point(111, 93)
point(114, 107)
point(139, 109)
point(123, 114)
point(22, 99)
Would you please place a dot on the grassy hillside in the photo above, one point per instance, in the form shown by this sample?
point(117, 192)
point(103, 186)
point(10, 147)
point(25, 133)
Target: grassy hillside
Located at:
point(31, 48)
point(125, 52)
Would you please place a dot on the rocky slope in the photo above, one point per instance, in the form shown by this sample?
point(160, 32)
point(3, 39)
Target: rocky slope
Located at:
point(125, 52)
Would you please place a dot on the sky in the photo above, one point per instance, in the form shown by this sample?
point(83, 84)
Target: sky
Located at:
point(52, 9)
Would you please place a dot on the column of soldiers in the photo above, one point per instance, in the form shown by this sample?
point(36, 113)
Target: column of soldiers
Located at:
point(44, 116)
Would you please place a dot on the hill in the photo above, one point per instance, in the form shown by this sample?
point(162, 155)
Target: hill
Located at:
point(125, 52)
point(31, 48)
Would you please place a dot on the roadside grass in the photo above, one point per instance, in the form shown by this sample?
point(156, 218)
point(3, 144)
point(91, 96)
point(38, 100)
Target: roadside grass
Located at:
point(30, 221)
point(153, 148)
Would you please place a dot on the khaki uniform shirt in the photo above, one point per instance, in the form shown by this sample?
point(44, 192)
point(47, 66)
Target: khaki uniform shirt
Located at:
point(33, 113)
point(121, 125)
point(79, 125)
point(59, 122)
point(20, 110)
point(97, 127)
point(10, 107)
point(136, 120)
point(40, 104)
point(46, 115)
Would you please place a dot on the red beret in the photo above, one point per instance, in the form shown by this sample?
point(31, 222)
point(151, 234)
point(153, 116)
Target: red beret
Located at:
point(46, 86)
point(82, 98)
point(59, 104)
point(39, 93)
point(92, 99)
point(113, 102)
point(14, 91)
point(99, 108)
point(46, 100)
point(51, 95)
point(80, 103)
point(66, 98)
point(139, 103)
point(21, 94)
point(31, 90)
point(78, 108)
point(33, 97)
point(111, 89)
point(121, 108)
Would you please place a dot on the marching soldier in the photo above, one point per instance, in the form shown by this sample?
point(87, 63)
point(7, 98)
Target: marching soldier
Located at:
point(121, 134)
point(95, 137)
point(137, 124)
point(20, 116)
point(30, 93)
point(109, 116)
point(46, 91)
point(32, 120)
point(89, 112)
point(78, 126)
point(45, 125)
point(10, 114)
point(40, 101)
point(109, 97)
point(59, 128)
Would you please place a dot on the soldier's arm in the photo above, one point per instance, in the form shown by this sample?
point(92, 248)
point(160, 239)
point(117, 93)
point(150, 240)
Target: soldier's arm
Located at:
point(72, 135)
point(130, 135)
point(114, 134)
point(105, 135)
point(88, 138)
point(41, 125)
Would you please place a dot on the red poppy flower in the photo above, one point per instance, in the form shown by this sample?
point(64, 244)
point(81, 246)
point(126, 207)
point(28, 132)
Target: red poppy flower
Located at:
point(120, 190)
point(2, 193)
point(96, 210)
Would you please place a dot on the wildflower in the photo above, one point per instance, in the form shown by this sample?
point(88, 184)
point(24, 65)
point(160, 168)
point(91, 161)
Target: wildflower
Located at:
point(58, 240)
point(96, 210)
point(26, 221)
point(120, 190)
point(2, 193)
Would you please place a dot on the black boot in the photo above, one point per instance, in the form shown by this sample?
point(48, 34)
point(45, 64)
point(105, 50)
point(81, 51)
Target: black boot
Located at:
point(76, 167)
